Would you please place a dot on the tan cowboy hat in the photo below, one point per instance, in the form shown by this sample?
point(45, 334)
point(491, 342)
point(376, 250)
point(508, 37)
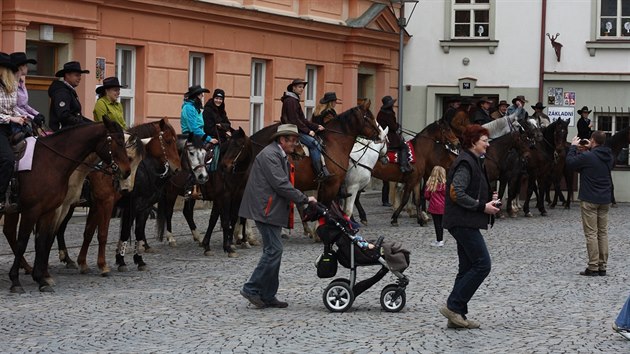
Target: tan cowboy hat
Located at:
point(503, 103)
point(285, 130)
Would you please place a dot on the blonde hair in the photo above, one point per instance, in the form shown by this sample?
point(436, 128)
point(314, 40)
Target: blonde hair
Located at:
point(322, 107)
point(438, 176)
point(7, 78)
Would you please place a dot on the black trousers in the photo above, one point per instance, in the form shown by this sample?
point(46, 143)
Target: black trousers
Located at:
point(7, 162)
point(385, 193)
point(437, 223)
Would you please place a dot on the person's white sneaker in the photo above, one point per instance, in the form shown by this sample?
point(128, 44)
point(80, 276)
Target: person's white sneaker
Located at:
point(437, 244)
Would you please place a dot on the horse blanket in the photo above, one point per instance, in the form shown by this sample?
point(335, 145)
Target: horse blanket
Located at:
point(392, 155)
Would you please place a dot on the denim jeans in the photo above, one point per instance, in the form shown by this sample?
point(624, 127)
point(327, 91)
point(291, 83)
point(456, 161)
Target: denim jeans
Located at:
point(623, 320)
point(264, 280)
point(315, 149)
point(474, 267)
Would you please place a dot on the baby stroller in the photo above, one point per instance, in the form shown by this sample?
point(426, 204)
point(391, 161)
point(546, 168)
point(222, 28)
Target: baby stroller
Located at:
point(343, 245)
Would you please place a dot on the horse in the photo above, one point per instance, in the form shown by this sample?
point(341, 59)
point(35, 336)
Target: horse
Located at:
point(560, 170)
point(158, 140)
point(55, 158)
point(618, 141)
point(148, 189)
point(338, 138)
point(432, 148)
point(363, 157)
point(501, 126)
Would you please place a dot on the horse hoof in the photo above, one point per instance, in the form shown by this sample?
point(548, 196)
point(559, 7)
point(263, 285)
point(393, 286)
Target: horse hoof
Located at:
point(50, 281)
point(143, 268)
point(394, 223)
point(151, 250)
point(529, 214)
point(172, 243)
point(196, 236)
point(246, 245)
point(252, 241)
point(17, 290)
point(232, 255)
point(84, 269)
point(46, 289)
point(71, 265)
point(123, 268)
point(513, 215)
point(364, 222)
point(543, 213)
point(105, 273)
point(208, 253)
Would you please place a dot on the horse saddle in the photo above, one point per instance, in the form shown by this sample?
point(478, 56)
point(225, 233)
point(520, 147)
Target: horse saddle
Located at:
point(393, 155)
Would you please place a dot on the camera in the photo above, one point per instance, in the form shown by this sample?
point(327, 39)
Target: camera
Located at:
point(497, 204)
point(583, 142)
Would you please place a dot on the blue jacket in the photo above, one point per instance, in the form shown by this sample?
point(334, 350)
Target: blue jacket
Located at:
point(594, 167)
point(192, 120)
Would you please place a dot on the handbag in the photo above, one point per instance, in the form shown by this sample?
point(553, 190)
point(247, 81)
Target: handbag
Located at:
point(326, 264)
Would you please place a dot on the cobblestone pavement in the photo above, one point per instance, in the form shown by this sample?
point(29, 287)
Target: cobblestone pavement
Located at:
point(533, 301)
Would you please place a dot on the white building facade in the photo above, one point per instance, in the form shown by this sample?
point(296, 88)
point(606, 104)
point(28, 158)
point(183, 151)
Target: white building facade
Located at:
point(500, 49)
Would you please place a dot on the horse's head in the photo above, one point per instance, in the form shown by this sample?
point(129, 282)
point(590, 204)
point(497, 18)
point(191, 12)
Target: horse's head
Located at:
point(135, 152)
point(363, 118)
point(383, 141)
point(531, 130)
point(237, 153)
point(112, 149)
point(163, 147)
point(195, 152)
point(561, 132)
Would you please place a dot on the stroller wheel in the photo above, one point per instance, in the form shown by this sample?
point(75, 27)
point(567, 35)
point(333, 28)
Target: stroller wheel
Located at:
point(338, 296)
point(388, 303)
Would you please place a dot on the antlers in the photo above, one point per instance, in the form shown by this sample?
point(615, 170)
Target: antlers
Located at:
point(557, 47)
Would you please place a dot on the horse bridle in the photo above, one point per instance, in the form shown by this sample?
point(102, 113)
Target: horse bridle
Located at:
point(194, 168)
point(240, 151)
point(167, 165)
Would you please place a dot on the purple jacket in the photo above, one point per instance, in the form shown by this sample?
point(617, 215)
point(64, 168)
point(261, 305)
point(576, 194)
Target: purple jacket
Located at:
point(22, 106)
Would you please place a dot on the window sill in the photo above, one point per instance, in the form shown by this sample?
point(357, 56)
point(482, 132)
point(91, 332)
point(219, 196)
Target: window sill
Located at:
point(621, 168)
point(468, 43)
point(592, 46)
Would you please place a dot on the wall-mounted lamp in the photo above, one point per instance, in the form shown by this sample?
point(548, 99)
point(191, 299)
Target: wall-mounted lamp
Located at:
point(46, 32)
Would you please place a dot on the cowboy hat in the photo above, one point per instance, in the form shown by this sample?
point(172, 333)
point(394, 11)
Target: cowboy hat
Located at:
point(19, 58)
point(295, 82)
point(584, 109)
point(538, 105)
point(519, 98)
point(285, 130)
point(483, 99)
point(5, 60)
point(195, 90)
point(329, 97)
point(503, 103)
point(388, 101)
point(453, 99)
point(109, 83)
point(71, 67)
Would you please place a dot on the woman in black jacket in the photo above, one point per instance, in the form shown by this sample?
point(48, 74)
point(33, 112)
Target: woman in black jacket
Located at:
point(215, 120)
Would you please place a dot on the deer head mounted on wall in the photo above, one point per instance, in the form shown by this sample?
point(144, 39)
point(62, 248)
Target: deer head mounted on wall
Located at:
point(557, 47)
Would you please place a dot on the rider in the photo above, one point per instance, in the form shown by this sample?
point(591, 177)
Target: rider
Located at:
point(107, 103)
point(482, 115)
point(292, 114)
point(215, 120)
point(386, 118)
point(325, 110)
point(8, 114)
point(20, 61)
point(65, 108)
point(539, 116)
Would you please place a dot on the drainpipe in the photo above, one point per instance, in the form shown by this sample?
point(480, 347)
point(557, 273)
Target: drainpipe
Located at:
point(543, 30)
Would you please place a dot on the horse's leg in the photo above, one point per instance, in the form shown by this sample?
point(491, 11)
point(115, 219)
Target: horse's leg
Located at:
point(543, 188)
point(44, 239)
point(126, 222)
point(362, 214)
point(424, 216)
point(531, 188)
point(228, 231)
point(10, 229)
point(403, 202)
point(419, 203)
point(188, 211)
point(88, 233)
point(214, 216)
point(61, 241)
point(141, 222)
point(27, 222)
point(568, 177)
point(248, 232)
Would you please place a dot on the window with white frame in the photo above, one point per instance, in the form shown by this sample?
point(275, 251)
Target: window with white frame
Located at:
point(310, 91)
point(196, 72)
point(612, 123)
point(470, 19)
point(257, 96)
point(614, 18)
point(126, 73)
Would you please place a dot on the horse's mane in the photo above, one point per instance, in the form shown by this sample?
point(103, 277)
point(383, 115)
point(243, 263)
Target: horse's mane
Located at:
point(618, 139)
point(145, 130)
point(549, 132)
point(343, 119)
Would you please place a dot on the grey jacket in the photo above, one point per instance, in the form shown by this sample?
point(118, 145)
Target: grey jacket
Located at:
point(269, 191)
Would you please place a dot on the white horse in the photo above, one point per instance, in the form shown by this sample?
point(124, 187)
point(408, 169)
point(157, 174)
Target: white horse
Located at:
point(502, 126)
point(363, 158)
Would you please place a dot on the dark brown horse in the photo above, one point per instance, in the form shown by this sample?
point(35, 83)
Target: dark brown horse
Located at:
point(432, 148)
point(55, 158)
point(161, 144)
point(620, 140)
point(338, 140)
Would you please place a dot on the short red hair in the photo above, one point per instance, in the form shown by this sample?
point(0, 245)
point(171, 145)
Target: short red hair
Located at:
point(472, 134)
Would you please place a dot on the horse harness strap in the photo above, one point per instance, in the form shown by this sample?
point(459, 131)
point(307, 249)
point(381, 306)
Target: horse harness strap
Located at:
point(167, 166)
point(357, 163)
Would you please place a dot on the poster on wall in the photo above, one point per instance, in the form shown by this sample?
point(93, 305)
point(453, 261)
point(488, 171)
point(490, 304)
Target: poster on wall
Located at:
point(569, 98)
point(561, 112)
point(100, 69)
point(554, 96)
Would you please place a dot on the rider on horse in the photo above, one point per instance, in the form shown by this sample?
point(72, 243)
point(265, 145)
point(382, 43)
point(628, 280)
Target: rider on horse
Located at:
point(215, 120)
point(386, 118)
point(8, 115)
point(292, 114)
point(65, 108)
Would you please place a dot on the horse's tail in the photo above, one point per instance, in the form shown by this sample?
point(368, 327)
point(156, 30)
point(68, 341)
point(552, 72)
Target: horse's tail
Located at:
point(160, 218)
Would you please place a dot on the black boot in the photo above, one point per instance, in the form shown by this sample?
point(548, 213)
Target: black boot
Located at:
point(405, 167)
point(323, 174)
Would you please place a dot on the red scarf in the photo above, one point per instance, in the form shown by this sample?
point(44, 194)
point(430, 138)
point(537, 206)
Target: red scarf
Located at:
point(291, 204)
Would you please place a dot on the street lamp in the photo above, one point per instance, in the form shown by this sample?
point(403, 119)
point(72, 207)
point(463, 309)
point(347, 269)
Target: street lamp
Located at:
point(402, 23)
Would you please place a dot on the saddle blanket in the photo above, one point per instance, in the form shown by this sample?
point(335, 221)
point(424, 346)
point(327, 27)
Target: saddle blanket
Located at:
point(392, 155)
point(26, 162)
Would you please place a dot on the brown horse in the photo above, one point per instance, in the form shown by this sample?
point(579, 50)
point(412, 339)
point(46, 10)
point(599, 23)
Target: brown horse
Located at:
point(432, 148)
point(338, 140)
point(159, 140)
point(55, 158)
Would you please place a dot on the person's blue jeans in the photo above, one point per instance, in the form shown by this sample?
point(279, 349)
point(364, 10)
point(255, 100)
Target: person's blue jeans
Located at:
point(315, 149)
point(623, 320)
point(474, 267)
point(264, 280)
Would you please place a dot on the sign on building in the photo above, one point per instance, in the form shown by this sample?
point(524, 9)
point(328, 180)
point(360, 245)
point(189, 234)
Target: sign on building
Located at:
point(566, 113)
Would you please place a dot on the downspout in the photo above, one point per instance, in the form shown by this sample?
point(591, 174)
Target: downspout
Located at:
point(543, 30)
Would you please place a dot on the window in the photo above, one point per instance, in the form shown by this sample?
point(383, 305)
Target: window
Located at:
point(471, 19)
point(126, 73)
point(611, 123)
point(196, 72)
point(257, 96)
point(310, 91)
point(614, 19)
point(46, 56)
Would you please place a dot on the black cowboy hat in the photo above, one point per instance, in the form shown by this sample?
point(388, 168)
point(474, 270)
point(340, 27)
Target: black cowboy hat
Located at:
point(519, 98)
point(218, 93)
point(295, 82)
point(538, 105)
point(503, 103)
point(109, 83)
point(195, 90)
point(329, 97)
point(5, 60)
point(71, 67)
point(584, 109)
point(19, 59)
point(388, 101)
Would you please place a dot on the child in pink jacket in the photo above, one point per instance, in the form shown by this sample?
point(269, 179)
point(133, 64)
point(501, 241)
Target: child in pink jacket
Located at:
point(435, 192)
